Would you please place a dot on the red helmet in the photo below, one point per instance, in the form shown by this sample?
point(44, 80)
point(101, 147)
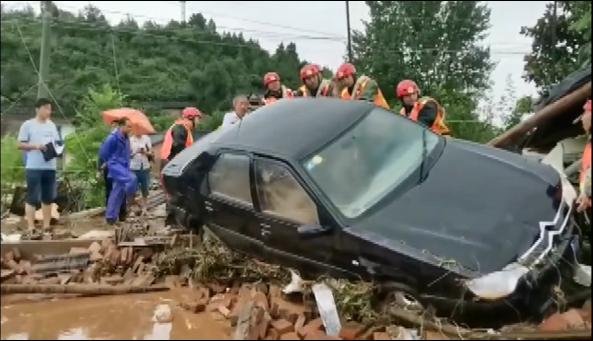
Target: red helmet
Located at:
point(191, 112)
point(406, 87)
point(270, 77)
point(345, 70)
point(309, 70)
point(587, 106)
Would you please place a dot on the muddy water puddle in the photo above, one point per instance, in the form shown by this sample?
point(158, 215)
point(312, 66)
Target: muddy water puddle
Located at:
point(106, 318)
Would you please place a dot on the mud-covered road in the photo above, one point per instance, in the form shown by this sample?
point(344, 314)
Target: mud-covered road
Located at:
point(107, 317)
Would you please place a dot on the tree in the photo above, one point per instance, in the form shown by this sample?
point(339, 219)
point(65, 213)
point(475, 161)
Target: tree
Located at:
point(506, 103)
point(153, 63)
point(442, 55)
point(524, 105)
point(561, 42)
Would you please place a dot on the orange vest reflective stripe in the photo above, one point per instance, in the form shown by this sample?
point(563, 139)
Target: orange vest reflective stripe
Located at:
point(359, 88)
point(439, 126)
point(585, 167)
point(286, 93)
point(168, 139)
point(323, 90)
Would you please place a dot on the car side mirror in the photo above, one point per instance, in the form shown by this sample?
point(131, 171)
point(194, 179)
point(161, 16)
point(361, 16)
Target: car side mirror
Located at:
point(312, 230)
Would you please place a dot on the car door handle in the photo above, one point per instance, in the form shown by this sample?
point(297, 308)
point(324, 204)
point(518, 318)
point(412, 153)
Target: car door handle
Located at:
point(265, 229)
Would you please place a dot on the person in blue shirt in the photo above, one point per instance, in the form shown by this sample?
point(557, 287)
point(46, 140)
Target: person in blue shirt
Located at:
point(35, 136)
point(115, 153)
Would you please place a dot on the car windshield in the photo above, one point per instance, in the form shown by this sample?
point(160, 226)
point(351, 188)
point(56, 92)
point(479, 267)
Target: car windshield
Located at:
point(370, 160)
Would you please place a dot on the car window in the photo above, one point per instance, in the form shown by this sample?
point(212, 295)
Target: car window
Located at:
point(370, 160)
point(280, 194)
point(229, 178)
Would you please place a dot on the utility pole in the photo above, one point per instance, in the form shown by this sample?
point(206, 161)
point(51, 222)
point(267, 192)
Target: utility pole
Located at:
point(348, 27)
point(183, 11)
point(42, 90)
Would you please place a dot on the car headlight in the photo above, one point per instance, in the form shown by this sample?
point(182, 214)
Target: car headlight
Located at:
point(497, 284)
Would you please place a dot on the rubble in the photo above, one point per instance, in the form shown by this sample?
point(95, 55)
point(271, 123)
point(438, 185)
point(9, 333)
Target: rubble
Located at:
point(252, 295)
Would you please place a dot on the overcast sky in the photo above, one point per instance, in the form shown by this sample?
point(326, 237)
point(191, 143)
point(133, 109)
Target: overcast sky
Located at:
point(273, 22)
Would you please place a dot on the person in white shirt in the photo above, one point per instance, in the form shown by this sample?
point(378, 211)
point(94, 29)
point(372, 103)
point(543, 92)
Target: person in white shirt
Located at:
point(140, 164)
point(241, 107)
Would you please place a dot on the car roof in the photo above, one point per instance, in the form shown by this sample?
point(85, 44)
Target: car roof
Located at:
point(293, 128)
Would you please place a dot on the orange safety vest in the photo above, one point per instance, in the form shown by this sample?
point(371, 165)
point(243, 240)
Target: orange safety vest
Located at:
point(439, 126)
point(585, 167)
point(359, 88)
point(323, 90)
point(286, 93)
point(168, 139)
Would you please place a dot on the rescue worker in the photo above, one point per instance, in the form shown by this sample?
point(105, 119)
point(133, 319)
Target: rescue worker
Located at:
point(584, 199)
point(115, 152)
point(274, 89)
point(425, 110)
point(180, 134)
point(358, 88)
point(313, 83)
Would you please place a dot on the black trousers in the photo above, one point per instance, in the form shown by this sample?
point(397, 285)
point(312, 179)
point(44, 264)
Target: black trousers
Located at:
point(108, 186)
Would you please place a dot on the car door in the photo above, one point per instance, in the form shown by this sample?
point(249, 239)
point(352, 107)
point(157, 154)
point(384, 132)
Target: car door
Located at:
point(284, 205)
point(229, 205)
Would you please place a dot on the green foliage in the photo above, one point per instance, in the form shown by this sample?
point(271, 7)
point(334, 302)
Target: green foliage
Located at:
point(444, 57)
point(162, 122)
point(93, 105)
point(13, 168)
point(524, 105)
point(211, 122)
point(172, 63)
point(561, 42)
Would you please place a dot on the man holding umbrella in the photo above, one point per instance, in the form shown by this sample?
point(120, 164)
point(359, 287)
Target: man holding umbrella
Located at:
point(115, 153)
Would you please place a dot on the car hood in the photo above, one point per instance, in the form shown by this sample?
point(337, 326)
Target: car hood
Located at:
point(479, 207)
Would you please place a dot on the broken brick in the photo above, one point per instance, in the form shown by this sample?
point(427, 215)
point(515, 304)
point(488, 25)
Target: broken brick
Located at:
point(282, 326)
point(272, 334)
point(261, 300)
point(274, 291)
point(263, 325)
point(351, 330)
point(26, 267)
point(224, 311)
point(78, 250)
point(585, 312)
point(559, 322)
point(9, 256)
point(262, 287)
point(95, 257)
point(216, 288)
point(310, 327)
point(6, 274)
point(290, 336)
point(300, 322)
point(381, 336)
point(94, 247)
point(137, 264)
point(320, 335)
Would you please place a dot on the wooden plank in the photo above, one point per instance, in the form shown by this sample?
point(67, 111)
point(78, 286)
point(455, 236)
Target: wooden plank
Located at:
point(29, 248)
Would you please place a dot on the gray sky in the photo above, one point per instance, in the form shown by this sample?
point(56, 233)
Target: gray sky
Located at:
point(273, 22)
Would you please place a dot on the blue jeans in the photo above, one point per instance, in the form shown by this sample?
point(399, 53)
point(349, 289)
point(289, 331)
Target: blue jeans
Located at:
point(41, 186)
point(143, 177)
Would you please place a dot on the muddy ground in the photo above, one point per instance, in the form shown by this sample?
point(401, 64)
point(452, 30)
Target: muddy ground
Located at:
point(122, 317)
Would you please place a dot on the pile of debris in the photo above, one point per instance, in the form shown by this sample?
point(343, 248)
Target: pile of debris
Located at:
point(103, 263)
point(260, 300)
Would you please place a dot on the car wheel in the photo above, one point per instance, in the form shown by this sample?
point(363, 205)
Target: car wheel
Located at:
point(401, 295)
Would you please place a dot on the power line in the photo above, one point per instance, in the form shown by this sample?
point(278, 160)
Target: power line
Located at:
point(142, 31)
